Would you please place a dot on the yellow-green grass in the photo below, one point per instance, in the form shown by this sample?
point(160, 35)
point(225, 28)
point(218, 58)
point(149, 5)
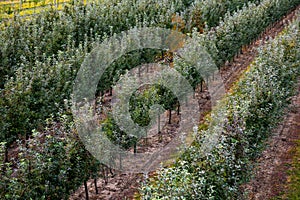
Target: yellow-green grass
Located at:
point(31, 10)
point(293, 187)
point(29, 4)
point(9, 9)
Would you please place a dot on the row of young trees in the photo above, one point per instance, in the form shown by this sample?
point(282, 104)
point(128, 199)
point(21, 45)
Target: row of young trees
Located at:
point(39, 71)
point(52, 162)
point(42, 72)
point(240, 125)
point(22, 45)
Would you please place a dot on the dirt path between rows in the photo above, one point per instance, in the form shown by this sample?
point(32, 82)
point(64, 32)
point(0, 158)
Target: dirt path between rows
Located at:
point(124, 186)
point(270, 174)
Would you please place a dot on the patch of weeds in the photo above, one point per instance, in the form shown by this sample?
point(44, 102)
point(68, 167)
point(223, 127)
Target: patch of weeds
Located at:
point(293, 185)
point(294, 178)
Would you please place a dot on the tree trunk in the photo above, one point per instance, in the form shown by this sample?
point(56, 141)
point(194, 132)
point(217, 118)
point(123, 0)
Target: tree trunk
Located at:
point(96, 187)
point(104, 174)
point(207, 79)
point(120, 160)
point(6, 154)
point(139, 71)
point(5, 159)
point(170, 116)
point(134, 148)
point(160, 136)
point(86, 190)
point(158, 122)
point(201, 86)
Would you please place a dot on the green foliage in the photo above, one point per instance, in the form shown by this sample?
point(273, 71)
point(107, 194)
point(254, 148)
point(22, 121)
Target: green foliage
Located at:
point(142, 100)
point(140, 104)
point(117, 136)
point(167, 178)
